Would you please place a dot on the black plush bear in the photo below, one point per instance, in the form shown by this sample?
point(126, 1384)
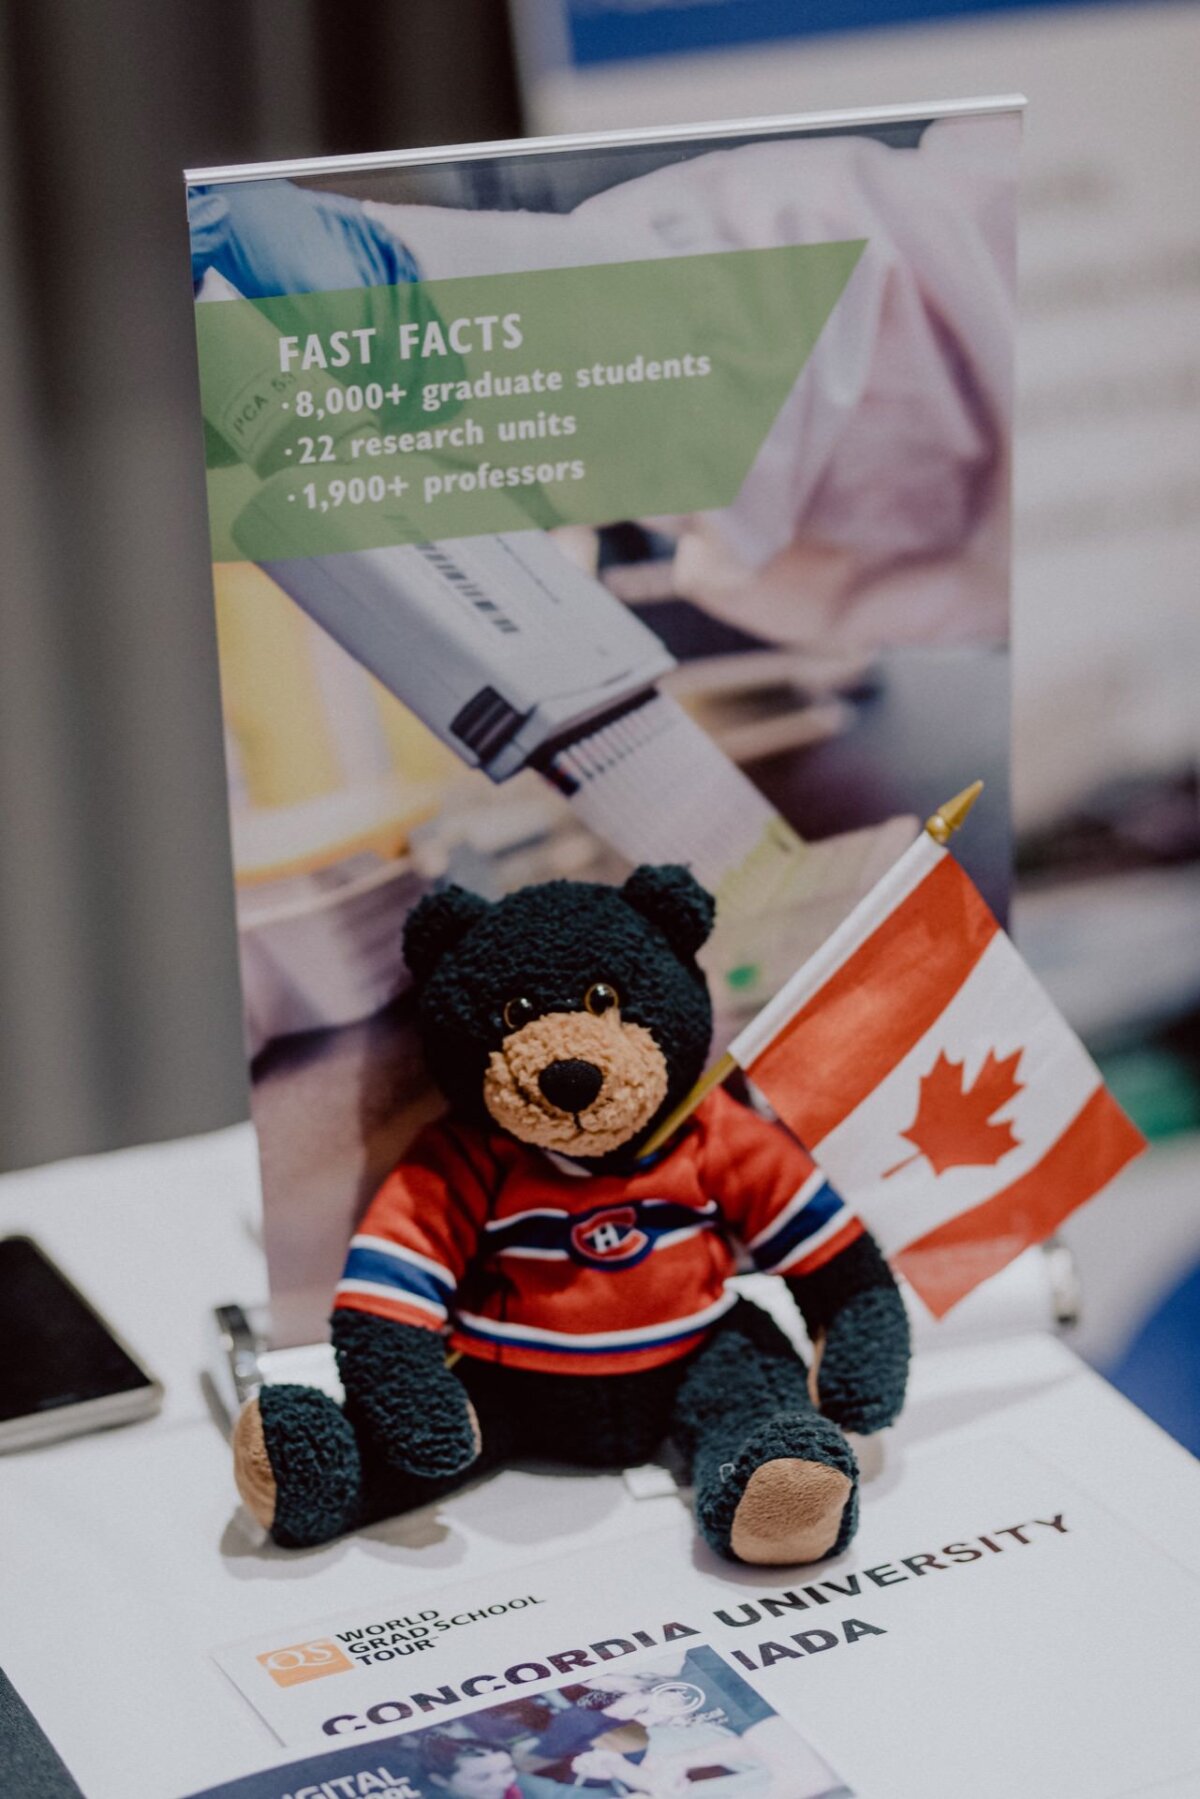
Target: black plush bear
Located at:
point(580, 1287)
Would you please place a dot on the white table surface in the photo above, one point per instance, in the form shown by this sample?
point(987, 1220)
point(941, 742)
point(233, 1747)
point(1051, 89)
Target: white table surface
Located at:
point(125, 1558)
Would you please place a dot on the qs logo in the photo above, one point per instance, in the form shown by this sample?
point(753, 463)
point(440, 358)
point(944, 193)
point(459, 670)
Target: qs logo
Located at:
point(304, 1661)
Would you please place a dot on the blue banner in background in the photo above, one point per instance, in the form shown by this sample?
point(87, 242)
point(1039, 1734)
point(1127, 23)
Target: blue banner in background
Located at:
point(602, 31)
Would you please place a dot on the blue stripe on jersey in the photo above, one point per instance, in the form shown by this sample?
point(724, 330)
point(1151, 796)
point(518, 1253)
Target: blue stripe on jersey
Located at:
point(535, 1232)
point(552, 1231)
point(805, 1223)
point(393, 1271)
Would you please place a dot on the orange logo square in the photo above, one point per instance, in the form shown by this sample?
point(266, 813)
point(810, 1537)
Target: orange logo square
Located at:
point(304, 1661)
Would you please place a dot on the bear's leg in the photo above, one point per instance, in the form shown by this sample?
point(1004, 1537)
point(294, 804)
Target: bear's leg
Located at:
point(775, 1482)
point(308, 1477)
point(593, 1420)
point(297, 1465)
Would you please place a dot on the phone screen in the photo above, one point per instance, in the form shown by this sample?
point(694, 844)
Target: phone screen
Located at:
point(57, 1351)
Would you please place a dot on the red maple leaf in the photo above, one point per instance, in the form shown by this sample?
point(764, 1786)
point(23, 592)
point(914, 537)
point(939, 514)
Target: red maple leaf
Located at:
point(954, 1125)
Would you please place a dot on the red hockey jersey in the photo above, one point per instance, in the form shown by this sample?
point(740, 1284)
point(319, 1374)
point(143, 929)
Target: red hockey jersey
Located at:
point(527, 1260)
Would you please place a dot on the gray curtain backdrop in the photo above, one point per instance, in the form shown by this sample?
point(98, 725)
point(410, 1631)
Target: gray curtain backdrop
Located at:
point(119, 1011)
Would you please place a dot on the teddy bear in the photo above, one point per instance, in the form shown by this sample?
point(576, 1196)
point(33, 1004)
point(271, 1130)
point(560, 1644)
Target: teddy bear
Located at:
point(527, 1283)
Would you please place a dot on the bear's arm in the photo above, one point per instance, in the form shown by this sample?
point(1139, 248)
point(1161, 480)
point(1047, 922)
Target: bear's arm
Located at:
point(859, 1329)
point(401, 1393)
point(392, 1305)
point(795, 1224)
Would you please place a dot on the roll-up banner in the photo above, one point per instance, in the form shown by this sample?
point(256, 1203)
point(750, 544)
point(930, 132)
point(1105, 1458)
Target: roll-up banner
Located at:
point(582, 502)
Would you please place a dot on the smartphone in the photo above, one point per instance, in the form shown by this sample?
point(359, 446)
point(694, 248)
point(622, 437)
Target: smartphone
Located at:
point(64, 1370)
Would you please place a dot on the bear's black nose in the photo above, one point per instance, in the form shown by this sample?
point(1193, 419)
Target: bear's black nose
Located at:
point(571, 1085)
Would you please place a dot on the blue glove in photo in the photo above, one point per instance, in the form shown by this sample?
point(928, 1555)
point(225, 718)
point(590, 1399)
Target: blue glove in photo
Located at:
point(271, 237)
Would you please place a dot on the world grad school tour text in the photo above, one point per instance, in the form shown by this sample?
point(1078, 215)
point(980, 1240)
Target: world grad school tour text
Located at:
point(763, 1655)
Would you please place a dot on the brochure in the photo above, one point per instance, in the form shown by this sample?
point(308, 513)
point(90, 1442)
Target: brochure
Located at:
point(978, 1638)
point(584, 503)
point(674, 1721)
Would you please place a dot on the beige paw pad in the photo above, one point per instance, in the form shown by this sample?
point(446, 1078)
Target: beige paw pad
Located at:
point(475, 1430)
point(252, 1465)
point(791, 1511)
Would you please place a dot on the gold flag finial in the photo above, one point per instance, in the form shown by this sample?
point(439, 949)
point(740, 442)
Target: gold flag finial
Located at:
point(949, 816)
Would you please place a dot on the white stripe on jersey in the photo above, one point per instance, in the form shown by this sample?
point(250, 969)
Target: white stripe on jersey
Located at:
point(797, 1203)
point(666, 1239)
point(531, 1255)
point(801, 1251)
point(377, 1290)
point(383, 1246)
point(510, 1218)
point(623, 1339)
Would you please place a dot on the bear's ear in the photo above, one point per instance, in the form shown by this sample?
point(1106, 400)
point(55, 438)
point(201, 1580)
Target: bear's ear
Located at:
point(672, 898)
point(436, 924)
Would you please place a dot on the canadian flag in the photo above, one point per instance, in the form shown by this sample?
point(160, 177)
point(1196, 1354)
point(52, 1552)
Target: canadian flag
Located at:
point(920, 1062)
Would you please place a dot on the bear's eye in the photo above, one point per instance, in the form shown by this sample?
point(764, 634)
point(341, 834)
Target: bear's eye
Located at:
point(518, 1012)
point(600, 997)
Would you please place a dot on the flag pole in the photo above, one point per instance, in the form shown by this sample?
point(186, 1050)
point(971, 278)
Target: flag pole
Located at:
point(941, 826)
point(720, 1071)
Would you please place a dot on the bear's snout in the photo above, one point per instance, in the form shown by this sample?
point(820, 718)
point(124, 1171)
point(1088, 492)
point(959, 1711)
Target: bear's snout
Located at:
point(571, 1084)
point(575, 1082)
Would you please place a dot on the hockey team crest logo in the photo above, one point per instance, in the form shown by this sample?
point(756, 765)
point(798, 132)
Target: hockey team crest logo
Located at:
point(609, 1238)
